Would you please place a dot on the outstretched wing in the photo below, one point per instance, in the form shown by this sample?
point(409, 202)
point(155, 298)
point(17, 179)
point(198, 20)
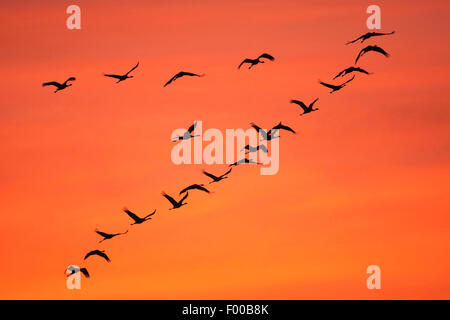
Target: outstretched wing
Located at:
point(90, 253)
point(132, 68)
point(103, 234)
point(103, 255)
point(226, 173)
point(359, 38)
point(183, 73)
point(112, 76)
point(192, 127)
point(199, 187)
point(348, 80)
point(52, 83)
point(263, 148)
point(328, 85)
point(301, 104)
point(245, 61)
point(280, 126)
point(364, 50)
point(312, 103)
point(131, 214)
point(149, 215)
point(210, 175)
point(380, 50)
point(172, 200)
point(360, 70)
point(171, 79)
point(267, 56)
point(70, 79)
point(182, 199)
point(85, 272)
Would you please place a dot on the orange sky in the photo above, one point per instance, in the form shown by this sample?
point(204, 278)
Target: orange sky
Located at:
point(365, 181)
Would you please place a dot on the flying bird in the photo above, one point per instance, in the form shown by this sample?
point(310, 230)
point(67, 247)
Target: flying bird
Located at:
point(59, 86)
point(281, 126)
point(216, 178)
point(253, 62)
point(368, 35)
point(188, 134)
point(195, 186)
point(138, 220)
point(107, 236)
point(371, 48)
point(350, 70)
point(306, 109)
point(182, 74)
point(264, 134)
point(336, 87)
point(249, 148)
point(175, 204)
point(242, 161)
point(122, 77)
point(74, 270)
point(100, 253)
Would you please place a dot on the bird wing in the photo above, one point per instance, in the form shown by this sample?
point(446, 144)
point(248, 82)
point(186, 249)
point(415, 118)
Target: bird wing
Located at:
point(112, 76)
point(280, 126)
point(312, 103)
point(300, 103)
point(226, 173)
point(258, 128)
point(380, 50)
point(149, 215)
point(353, 41)
point(171, 79)
point(52, 83)
point(90, 253)
point(85, 272)
point(172, 200)
point(182, 199)
point(348, 80)
point(131, 214)
point(361, 53)
point(328, 85)
point(210, 175)
point(267, 56)
point(70, 79)
point(185, 189)
point(189, 74)
point(199, 187)
point(263, 148)
point(103, 234)
point(245, 61)
point(132, 68)
point(192, 128)
point(360, 70)
point(103, 255)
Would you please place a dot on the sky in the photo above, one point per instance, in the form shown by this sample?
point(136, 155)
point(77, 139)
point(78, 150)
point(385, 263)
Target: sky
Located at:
point(365, 181)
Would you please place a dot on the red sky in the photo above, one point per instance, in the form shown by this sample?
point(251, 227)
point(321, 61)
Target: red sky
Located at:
point(365, 181)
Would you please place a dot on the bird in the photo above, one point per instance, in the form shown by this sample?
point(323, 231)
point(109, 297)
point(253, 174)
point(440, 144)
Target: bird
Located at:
point(100, 253)
point(175, 204)
point(59, 86)
point(216, 178)
point(74, 270)
point(182, 74)
point(122, 77)
point(249, 148)
point(242, 161)
point(107, 236)
point(257, 60)
point(350, 70)
point(336, 87)
point(138, 220)
point(281, 126)
point(195, 186)
point(188, 134)
point(368, 35)
point(371, 48)
point(264, 134)
point(306, 109)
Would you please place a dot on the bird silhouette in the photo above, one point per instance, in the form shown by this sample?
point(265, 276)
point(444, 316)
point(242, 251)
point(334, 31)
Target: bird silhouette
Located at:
point(107, 236)
point(100, 253)
point(182, 74)
point(195, 186)
point(249, 148)
point(253, 62)
point(175, 204)
point(122, 77)
point(371, 48)
point(74, 270)
point(264, 134)
point(281, 126)
point(368, 35)
point(59, 86)
point(242, 161)
point(350, 70)
point(188, 134)
point(306, 109)
point(336, 87)
point(138, 220)
point(216, 178)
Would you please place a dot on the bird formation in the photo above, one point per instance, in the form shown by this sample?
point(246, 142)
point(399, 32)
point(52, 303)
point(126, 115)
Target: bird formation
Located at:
point(273, 133)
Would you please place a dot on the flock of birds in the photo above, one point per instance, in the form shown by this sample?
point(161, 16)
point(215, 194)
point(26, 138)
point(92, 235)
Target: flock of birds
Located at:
point(265, 135)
